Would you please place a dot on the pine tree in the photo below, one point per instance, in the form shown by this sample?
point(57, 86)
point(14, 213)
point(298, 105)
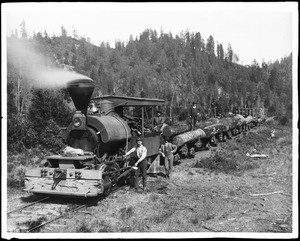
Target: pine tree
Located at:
point(63, 32)
point(229, 54)
point(23, 30)
point(221, 52)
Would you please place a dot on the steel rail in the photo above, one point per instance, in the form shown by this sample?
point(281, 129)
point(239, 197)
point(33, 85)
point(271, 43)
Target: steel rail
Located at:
point(52, 220)
point(73, 210)
point(28, 205)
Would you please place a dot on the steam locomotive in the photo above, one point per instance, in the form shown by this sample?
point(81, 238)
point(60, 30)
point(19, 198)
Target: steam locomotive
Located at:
point(103, 133)
point(99, 136)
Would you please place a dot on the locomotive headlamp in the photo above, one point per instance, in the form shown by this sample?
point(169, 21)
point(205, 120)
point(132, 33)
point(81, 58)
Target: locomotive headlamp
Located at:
point(77, 122)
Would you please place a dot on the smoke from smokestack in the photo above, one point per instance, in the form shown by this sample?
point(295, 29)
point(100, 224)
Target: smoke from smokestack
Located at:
point(35, 69)
point(55, 78)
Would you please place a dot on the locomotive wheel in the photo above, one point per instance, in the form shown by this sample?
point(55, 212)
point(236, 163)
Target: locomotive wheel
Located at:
point(220, 137)
point(192, 152)
point(107, 186)
point(207, 146)
point(229, 135)
point(214, 141)
point(233, 131)
point(237, 130)
point(113, 167)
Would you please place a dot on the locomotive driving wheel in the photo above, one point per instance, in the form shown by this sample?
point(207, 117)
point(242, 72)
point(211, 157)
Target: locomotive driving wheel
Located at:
point(107, 186)
point(229, 134)
point(113, 170)
point(110, 175)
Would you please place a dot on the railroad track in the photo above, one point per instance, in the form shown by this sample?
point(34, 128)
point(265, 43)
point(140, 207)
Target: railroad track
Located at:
point(36, 215)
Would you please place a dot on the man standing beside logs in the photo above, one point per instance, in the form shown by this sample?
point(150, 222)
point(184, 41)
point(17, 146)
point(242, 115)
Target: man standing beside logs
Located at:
point(167, 150)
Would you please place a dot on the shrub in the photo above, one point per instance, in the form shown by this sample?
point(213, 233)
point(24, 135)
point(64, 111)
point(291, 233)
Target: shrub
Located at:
point(272, 110)
point(231, 157)
point(183, 115)
point(283, 120)
point(218, 162)
point(83, 228)
point(126, 213)
point(33, 223)
point(51, 137)
point(16, 176)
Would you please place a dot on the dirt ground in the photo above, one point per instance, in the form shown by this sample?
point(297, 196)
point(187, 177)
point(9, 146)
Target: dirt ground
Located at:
point(195, 201)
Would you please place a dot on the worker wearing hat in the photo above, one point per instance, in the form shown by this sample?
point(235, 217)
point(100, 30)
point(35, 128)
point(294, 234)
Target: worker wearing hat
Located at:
point(167, 150)
point(140, 164)
point(194, 112)
point(158, 120)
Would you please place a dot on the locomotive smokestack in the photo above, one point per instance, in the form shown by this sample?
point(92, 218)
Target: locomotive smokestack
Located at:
point(81, 91)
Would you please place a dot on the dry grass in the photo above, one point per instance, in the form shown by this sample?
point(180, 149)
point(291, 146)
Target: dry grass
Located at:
point(199, 199)
point(18, 163)
point(231, 157)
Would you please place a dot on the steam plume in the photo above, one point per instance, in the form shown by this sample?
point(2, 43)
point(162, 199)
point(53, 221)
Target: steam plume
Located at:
point(34, 68)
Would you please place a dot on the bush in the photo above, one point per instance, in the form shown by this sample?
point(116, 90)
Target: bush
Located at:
point(272, 110)
point(83, 228)
point(219, 162)
point(226, 162)
point(183, 115)
point(231, 157)
point(51, 137)
point(16, 176)
point(283, 120)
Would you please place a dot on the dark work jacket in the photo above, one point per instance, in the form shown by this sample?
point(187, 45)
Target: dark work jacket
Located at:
point(194, 112)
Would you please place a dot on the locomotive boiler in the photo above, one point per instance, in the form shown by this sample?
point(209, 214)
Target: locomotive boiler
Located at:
point(96, 140)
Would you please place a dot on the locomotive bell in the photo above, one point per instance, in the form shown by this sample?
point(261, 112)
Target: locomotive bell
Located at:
point(81, 91)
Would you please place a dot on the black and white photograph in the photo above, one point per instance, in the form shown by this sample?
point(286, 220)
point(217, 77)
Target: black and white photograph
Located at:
point(138, 120)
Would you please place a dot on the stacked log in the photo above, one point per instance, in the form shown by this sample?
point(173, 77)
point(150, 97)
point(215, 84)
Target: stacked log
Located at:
point(208, 122)
point(249, 119)
point(178, 129)
point(240, 119)
point(228, 123)
point(174, 130)
point(189, 136)
point(214, 129)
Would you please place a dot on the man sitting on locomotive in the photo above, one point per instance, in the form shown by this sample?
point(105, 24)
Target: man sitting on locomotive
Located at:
point(158, 121)
point(141, 164)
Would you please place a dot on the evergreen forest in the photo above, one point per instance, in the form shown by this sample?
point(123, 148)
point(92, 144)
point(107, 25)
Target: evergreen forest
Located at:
point(180, 69)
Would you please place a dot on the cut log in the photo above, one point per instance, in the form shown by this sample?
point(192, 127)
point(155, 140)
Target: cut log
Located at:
point(174, 130)
point(178, 129)
point(214, 129)
point(240, 119)
point(249, 119)
point(228, 122)
point(208, 122)
point(186, 137)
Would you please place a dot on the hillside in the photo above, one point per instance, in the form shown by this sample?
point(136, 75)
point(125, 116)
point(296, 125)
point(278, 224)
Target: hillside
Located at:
point(179, 69)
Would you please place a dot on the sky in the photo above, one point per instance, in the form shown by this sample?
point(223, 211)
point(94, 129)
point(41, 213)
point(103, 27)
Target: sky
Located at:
point(260, 31)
